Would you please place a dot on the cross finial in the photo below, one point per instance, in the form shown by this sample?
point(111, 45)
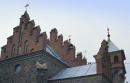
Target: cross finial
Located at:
point(108, 31)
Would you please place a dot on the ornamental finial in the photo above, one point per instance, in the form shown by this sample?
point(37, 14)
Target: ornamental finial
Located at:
point(108, 32)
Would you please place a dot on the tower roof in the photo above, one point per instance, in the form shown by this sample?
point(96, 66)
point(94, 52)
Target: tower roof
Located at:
point(111, 46)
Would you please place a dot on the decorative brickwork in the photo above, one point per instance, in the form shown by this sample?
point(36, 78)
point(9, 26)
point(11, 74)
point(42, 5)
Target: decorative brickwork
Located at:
point(27, 38)
point(31, 57)
point(103, 60)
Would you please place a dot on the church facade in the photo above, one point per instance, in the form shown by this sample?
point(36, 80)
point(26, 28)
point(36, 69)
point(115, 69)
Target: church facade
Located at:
point(31, 57)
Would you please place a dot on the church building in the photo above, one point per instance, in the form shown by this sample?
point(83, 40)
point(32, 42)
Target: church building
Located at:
point(31, 57)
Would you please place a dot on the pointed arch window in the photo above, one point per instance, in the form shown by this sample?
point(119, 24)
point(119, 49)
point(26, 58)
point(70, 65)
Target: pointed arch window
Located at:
point(13, 50)
point(116, 59)
point(25, 47)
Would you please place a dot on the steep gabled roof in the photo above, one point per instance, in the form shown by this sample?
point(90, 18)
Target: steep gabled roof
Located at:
point(111, 46)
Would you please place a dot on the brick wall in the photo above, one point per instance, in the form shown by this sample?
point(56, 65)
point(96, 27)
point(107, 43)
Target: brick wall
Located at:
point(28, 38)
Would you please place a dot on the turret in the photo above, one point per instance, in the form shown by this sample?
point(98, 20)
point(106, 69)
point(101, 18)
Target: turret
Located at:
point(110, 61)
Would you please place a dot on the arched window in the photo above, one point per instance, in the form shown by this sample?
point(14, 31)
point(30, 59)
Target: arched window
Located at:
point(116, 59)
point(13, 50)
point(25, 47)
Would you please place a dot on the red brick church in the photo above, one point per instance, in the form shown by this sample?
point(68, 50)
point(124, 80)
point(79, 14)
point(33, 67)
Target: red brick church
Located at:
point(31, 57)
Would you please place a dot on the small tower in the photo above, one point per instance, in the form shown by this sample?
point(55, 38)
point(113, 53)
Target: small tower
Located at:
point(110, 61)
point(117, 57)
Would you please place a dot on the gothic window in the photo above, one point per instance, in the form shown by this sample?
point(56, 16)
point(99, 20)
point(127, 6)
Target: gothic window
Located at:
point(116, 59)
point(13, 50)
point(25, 47)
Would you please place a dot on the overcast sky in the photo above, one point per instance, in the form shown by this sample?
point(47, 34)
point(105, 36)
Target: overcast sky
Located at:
point(85, 20)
